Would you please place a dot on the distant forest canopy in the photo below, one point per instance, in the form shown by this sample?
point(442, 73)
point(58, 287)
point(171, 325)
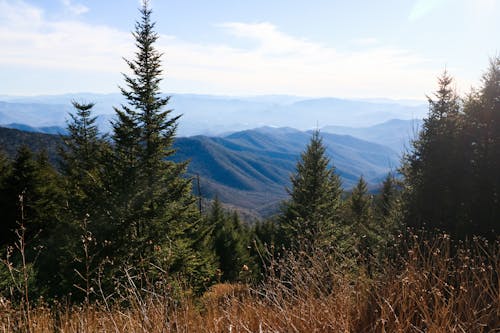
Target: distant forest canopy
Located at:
point(120, 205)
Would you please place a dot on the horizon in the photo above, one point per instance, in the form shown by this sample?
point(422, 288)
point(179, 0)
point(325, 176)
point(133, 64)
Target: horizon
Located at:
point(321, 49)
point(376, 99)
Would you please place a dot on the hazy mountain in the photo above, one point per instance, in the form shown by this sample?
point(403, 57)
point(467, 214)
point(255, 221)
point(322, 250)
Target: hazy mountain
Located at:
point(395, 133)
point(43, 129)
point(249, 169)
point(213, 115)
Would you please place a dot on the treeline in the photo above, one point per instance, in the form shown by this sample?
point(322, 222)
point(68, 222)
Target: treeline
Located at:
point(117, 208)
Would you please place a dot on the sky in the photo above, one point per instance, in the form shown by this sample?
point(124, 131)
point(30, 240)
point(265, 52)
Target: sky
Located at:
point(319, 48)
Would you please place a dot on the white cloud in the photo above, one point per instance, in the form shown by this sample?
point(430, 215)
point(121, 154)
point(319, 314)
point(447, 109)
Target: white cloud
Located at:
point(273, 63)
point(75, 8)
point(280, 63)
point(29, 39)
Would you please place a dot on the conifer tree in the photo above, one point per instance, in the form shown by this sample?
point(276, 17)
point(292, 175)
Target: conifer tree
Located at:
point(228, 242)
point(359, 203)
point(151, 205)
point(387, 197)
point(81, 161)
point(364, 232)
point(31, 204)
point(388, 208)
point(313, 212)
point(31, 194)
point(433, 169)
point(481, 147)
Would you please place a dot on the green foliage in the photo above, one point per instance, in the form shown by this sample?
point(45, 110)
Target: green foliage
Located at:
point(451, 178)
point(11, 140)
point(152, 215)
point(481, 149)
point(6, 223)
point(231, 242)
point(33, 181)
point(313, 211)
point(431, 167)
point(31, 206)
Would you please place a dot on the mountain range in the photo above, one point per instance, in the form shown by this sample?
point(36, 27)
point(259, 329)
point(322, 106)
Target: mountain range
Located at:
point(216, 115)
point(243, 149)
point(250, 169)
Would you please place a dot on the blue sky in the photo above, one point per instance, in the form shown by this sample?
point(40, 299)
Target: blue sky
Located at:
point(352, 49)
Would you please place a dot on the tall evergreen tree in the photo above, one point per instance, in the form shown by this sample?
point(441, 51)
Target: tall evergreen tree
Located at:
point(151, 207)
point(312, 213)
point(481, 146)
point(433, 169)
point(81, 162)
point(84, 222)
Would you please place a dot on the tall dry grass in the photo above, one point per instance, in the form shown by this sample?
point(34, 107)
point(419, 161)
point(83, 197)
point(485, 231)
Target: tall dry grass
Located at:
point(433, 286)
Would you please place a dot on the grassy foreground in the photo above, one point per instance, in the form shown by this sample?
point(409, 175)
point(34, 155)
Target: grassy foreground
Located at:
point(433, 286)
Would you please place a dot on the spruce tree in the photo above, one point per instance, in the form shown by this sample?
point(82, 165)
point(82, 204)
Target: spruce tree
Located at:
point(386, 199)
point(85, 221)
point(481, 146)
point(312, 214)
point(433, 169)
point(359, 203)
point(81, 162)
point(363, 228)
point(229, 242)
point(152, 208)
point(31, 194)
point(31, 209)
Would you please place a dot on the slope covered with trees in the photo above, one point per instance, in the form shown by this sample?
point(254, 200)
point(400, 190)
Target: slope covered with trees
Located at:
point(116, 232)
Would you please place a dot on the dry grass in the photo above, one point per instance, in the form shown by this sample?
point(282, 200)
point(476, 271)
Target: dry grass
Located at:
point(434, 287)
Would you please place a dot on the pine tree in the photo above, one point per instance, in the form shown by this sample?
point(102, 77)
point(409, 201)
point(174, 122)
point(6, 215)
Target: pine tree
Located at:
point(311, 215)
point(359, 203)
point(364, 232)
point(30, 194)
point(433, 169)
point(481, 146)
point(229, 242)
point(81, 161)
point(84, 221)
point(31, 203)
point(451, 176)
point(386, 199)
point(151, 205)
point(388, 208)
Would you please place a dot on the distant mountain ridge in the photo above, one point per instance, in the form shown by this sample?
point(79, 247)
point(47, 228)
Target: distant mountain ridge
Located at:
point(214, 115)
point(42, 129)
point(250, 169)
point(395, 133)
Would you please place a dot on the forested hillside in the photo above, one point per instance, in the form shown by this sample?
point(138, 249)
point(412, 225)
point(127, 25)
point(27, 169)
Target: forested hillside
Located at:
point(247, 170)
point(112, 236)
